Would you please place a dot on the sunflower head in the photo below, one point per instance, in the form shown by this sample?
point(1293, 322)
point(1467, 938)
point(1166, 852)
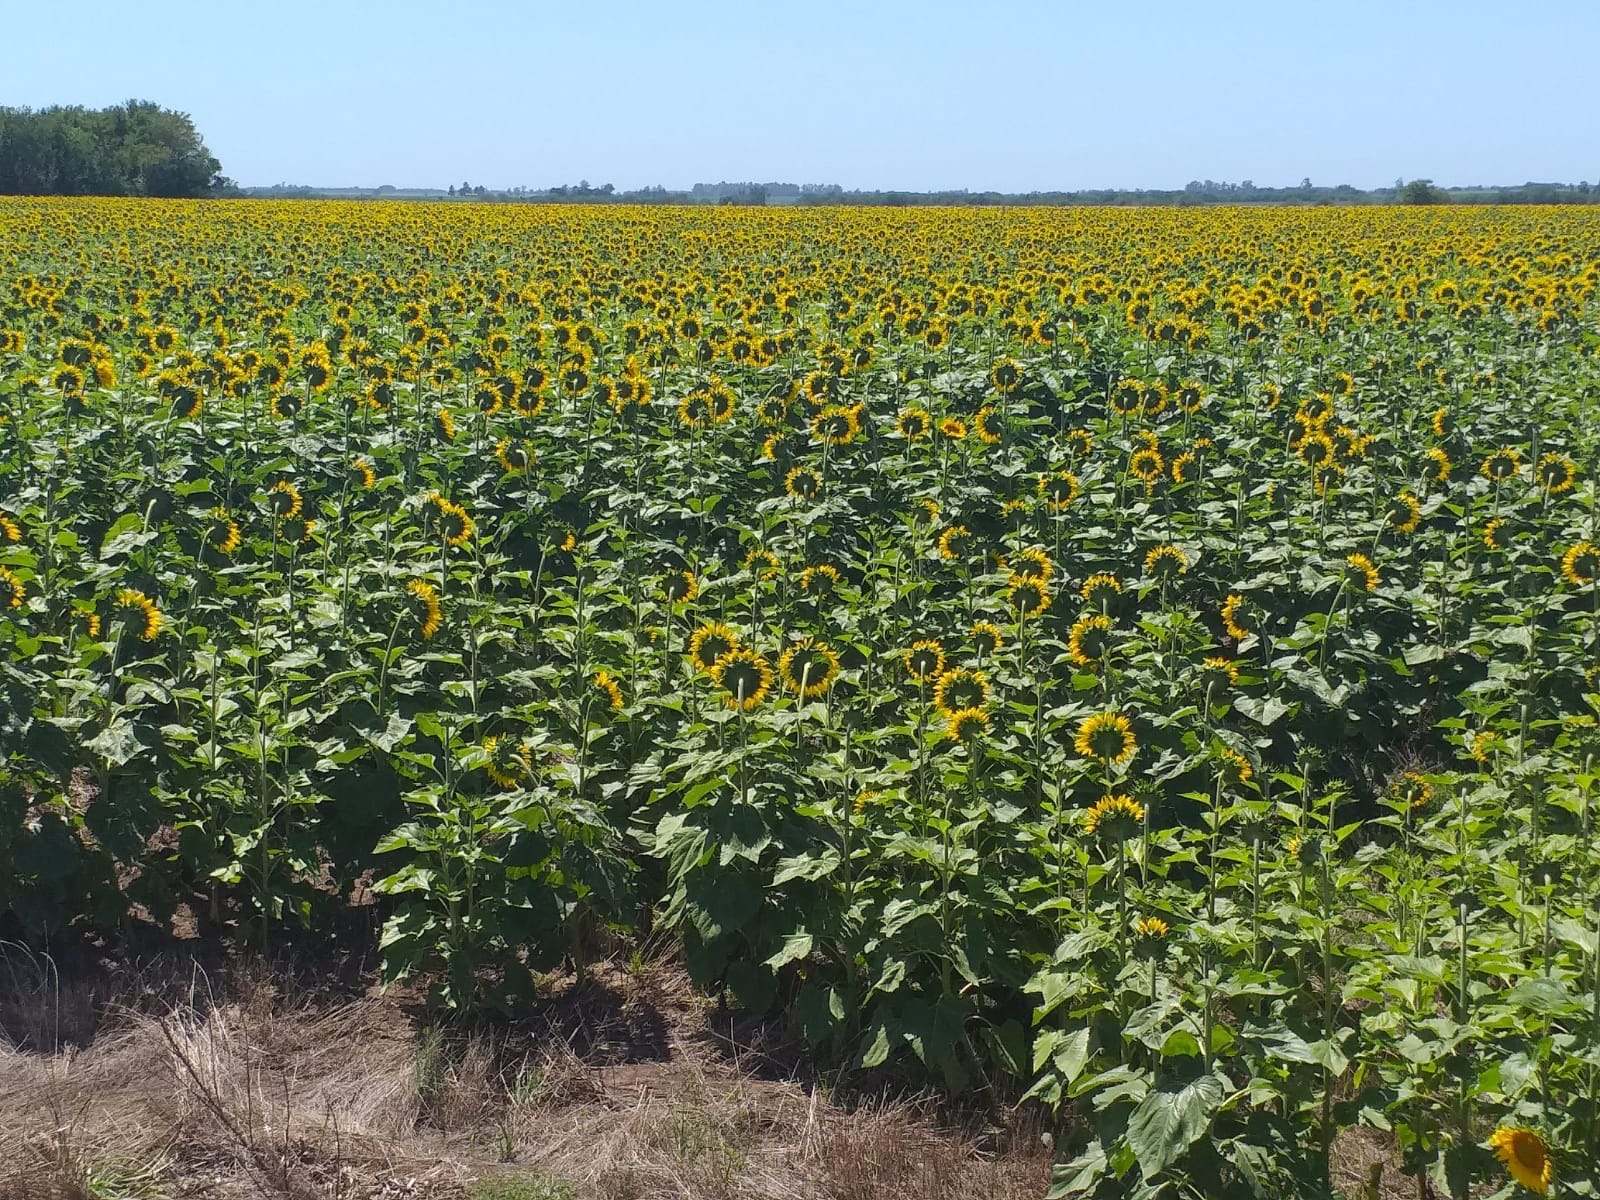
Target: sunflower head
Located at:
point(1502, 464)
point(745, 678)
point(967, 725)
point(1233, 768)
point(680, 587)
point(1090, 639)
point(507, 761)
point(609, 689)
point(954, 542)
point(1114, 818)
point(11, 589)
point(1405, 513)
point(1101, 590)
point(960, 688)
point(1361, 572)
point(802, 483)
point(139, 613)
point(986, 637)
point(1107, 736)
point(709, 643)
point(1557, 473)
point(1058, 489)
point(1580, 565)
point(809, 667)
point(1525, 1157)
point(428, 612)
point(1165, 562)
point(925, 660)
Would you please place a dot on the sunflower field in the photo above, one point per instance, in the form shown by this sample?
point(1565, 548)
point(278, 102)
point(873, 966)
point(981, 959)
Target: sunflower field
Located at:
point(1140, 661)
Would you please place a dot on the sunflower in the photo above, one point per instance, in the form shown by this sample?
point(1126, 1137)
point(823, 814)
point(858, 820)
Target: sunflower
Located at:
point(680, 587)
point(745, 676)
point(455, 523)
point(925, 660)
point(1127, 397)
point(507, 763)
point(1557, 473)
point(836, 425)
point(427, 595)
point(610, 690)
point(1005, 376)
point(1315, 449)
point(953, 428)
point(1361, 571)
point(514, 457)
point(1100, 589)
point(1444, 423)
point(914, 423)
point(1581, 564)
point(1189, 396)
point(1165, 561)
point(1182, 466)
point(809, 667)
point(1028, 594)
point(223, 533)
point(1115, 818)
point(1215, 669)
point(1107, 736)
point(710, 642)
point(1232, 767)
point(68, 380)
point(762, 563)
point(1058, 489)
point(1502, 464)
point(139, 612)
point(953, 542)
point(1080, 443)
point(930, 510)
point(986, 637)
point(362, 473)
point(989, 425)
point(1238, 622)
point(1412, 790)
point(1439, 465)
point(1525, 1157)
point(1484, 745)
point(1089, 639)
point(11, 590)
point(1405, 513)
point(802, 483)
point(819, 581)
point(966, 725)
point(1491, 533)
point(444, 425)
point(10, 531)
point(284, 499)
point(960, 688)
point(1147, 466)
point(1034, 563)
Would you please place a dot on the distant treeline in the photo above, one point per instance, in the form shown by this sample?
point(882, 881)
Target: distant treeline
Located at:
point(132, 149)
point(1206, 192)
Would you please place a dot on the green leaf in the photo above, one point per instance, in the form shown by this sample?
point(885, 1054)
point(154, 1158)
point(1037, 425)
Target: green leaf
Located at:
point(1167, 1123)
point(796, 946)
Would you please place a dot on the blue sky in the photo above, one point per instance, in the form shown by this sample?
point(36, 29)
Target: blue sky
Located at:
point(882, 93)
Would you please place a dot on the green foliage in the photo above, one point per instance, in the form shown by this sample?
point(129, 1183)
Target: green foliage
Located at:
point(1173, 703)
point(132, 149)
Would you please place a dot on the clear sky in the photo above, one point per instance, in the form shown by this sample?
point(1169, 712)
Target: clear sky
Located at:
point(917, 94)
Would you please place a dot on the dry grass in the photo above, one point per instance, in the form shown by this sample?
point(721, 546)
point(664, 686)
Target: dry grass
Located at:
point(623, 1093)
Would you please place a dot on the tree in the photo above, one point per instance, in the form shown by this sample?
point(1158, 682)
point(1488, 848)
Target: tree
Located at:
point(132, 149)
point(1422, 191)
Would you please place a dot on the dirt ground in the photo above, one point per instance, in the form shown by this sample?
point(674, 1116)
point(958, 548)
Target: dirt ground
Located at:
point(181, 1078)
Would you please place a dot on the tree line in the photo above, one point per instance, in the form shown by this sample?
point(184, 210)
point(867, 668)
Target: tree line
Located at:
point(132, 149)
